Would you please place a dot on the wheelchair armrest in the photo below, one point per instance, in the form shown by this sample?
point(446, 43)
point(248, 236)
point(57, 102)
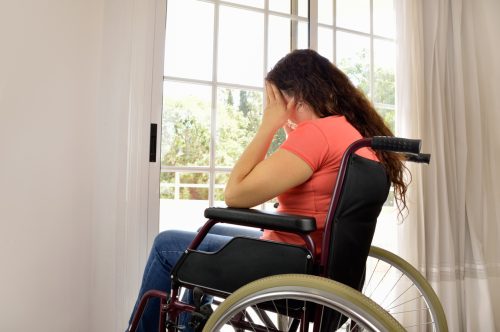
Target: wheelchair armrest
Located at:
point(262, 219)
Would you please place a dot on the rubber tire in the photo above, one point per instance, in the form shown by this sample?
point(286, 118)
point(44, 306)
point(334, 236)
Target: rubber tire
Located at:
point(340, 296)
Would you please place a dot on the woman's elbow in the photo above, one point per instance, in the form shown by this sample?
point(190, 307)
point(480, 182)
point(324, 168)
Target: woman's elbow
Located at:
point(229, 198)
point(231, 203)
point(233, 200)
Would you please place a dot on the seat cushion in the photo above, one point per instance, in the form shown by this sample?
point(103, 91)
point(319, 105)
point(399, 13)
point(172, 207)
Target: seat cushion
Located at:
point(241, 261)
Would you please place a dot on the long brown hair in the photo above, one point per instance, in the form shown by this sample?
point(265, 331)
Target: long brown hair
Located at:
point(313, 79)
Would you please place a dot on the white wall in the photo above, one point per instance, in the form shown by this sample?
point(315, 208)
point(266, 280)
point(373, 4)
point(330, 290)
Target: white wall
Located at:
point(75, 104)
point(49, 78)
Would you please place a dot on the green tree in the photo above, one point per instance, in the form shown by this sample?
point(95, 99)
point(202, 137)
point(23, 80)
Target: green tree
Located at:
point(236, 126)
point(383, 89)
point(358, 70)
point(245, 106)
point(185, 142)
point(185, 132)
point(230, 101)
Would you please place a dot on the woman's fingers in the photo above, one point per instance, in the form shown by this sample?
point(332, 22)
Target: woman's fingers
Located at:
point(291, 104)
point(269, 92)
point(276, 93)
point(276, 112)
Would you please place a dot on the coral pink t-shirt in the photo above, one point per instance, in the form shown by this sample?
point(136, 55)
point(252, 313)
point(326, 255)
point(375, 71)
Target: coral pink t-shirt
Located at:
point(321, 144)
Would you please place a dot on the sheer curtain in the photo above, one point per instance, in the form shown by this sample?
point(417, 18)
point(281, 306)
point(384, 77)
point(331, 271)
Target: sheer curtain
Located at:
point(448, 83)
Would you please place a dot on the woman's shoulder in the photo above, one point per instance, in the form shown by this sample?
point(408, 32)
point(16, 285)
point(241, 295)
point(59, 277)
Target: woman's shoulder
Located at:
point(337, 120)
point(323, 131)
point(336, 130)
point(329, 124)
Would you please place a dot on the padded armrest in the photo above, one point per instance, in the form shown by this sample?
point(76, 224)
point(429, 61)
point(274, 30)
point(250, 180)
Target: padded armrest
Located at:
point(262, 219)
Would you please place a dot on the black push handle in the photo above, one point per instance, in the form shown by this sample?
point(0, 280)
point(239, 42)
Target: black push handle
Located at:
point(396, 144)
point(419, 158)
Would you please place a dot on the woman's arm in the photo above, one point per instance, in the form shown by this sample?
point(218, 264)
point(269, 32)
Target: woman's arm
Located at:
point(254, 179)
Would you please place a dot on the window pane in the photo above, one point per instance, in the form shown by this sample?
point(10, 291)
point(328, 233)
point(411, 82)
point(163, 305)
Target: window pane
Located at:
point(182, 185)
point(250, 3)
point(384, 18)
point(389, 117)
point(280, 6)
point(270, 205)
point(285, 6)
point(185, 124)
point(353, 57)
point(303, 8)
point(239, 113)
point(241, 45)
point(325, 42)
point(303, 37)
point(221, 178)
point(354, 14)
point(183, 210)
point(383, 72)
point(278, 46)
point(193, 186)
point(325, 11)
point(220, 183)
point(167, 185)
point(189, 54)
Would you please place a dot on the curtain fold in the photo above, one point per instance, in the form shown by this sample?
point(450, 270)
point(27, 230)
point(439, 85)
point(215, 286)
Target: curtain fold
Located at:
point(441, 99)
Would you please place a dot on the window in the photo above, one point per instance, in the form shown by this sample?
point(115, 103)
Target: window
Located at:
point(216, 56)
point(359, 37)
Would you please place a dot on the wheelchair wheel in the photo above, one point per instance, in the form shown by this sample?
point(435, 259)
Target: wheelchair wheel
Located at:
point(291, 302)
point(401, 290)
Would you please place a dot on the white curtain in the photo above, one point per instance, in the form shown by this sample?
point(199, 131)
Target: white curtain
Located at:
point(448, 91)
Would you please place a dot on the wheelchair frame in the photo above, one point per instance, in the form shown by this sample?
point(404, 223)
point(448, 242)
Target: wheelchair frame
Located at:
point(171, 306)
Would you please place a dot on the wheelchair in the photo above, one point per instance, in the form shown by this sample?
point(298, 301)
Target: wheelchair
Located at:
point(263, 285)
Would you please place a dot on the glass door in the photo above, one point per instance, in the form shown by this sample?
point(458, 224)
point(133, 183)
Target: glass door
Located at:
point(216, 56)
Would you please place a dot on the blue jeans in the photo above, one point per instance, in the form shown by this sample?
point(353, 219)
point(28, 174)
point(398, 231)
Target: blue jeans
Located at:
point(166, 251)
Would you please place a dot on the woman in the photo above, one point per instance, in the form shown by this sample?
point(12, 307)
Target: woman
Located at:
point(322, 113)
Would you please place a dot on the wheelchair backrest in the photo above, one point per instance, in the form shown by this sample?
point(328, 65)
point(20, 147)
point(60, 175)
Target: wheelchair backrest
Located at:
point(352, 223)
